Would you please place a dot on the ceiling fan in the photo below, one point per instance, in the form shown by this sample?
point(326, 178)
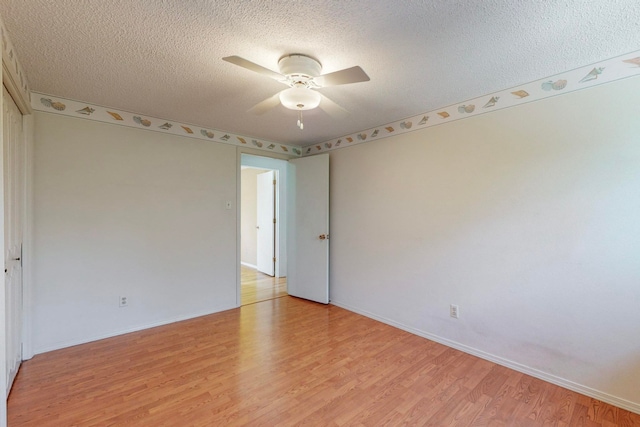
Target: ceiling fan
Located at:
point(302, 74)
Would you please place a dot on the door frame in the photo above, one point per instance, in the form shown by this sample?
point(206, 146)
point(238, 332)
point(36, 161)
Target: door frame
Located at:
point(280, 242)
point(267, 222)
point(14, 185)
point(281, 267)
point(275, 242)
point(22, 100)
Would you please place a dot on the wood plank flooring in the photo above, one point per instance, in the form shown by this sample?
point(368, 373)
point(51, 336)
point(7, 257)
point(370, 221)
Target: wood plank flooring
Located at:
point(287, 362)
point(256, 286)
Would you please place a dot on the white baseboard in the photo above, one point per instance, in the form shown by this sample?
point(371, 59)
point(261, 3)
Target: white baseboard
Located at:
point(562, 382)
point(71, 343)
point(246, 264)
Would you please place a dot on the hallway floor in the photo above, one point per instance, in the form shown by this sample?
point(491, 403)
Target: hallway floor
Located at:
point(257, 286)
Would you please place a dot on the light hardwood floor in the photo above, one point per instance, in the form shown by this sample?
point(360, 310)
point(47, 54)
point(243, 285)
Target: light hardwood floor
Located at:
point(287, 362)
point(256, 286)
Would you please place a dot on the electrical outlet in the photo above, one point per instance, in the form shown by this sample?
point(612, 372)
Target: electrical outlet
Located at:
point(454, 311)
point(124, 302)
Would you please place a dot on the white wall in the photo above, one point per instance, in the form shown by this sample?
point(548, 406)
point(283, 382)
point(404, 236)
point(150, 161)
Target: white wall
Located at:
point(528, 218)
point(121, 211)
point(249, 216)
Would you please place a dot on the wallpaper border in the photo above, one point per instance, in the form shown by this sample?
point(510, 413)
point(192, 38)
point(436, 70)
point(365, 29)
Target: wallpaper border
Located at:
point(606, 71)
point(84, 110)
point(609, 70)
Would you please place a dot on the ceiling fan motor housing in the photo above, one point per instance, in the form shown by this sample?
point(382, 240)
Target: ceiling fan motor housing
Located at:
point(299, 67)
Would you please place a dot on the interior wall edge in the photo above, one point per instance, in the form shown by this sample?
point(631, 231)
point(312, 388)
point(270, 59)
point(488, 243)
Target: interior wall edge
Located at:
point(553, 379)
point(28, 240)
point(3, 304)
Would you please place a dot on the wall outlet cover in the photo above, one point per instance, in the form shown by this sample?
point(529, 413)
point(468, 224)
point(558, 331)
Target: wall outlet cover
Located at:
point(454, 311)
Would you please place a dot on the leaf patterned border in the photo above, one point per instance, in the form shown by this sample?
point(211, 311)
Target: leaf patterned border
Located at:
point(67, 107)
point(606, 71)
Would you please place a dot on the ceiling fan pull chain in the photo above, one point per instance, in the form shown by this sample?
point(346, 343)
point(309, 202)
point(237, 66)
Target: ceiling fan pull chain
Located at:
point(300, 123)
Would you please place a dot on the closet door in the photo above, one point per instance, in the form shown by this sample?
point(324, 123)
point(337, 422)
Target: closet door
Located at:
point(14, 201)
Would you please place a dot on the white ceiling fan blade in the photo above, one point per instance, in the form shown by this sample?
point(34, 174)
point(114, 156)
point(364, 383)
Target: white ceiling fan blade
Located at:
point(266, 105)
point(343, 77)
point(332, 109)
point(252, 66)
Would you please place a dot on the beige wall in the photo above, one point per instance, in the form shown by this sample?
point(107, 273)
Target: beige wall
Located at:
point(527, 218)
point(121, 211)
point(249, 216)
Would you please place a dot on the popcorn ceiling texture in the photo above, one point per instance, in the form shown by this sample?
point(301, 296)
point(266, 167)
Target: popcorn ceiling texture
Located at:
point(163, 58)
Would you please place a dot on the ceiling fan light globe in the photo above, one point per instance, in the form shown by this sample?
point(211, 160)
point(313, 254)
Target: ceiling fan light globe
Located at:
point(300, 98)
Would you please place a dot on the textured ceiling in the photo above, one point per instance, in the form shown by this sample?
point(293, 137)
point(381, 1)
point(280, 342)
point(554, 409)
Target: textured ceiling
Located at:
point(163, 57)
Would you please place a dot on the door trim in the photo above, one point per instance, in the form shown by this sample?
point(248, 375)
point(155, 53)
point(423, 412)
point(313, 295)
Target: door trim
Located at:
point(11, 74)
point(267, 223)
point(239, 152)
point(27, 217)
point(19, 96)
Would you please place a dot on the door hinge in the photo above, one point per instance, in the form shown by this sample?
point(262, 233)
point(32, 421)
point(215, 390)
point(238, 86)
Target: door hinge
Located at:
point(274, 182)
point(274, 259)
point(274, 220)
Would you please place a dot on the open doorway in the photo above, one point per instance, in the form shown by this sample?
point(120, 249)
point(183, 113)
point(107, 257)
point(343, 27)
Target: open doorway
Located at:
point(262, 229)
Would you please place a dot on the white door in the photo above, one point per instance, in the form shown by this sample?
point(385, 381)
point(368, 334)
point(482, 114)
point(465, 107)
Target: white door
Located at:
point(308, 238)
point(266, 204)
point(13, 222)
